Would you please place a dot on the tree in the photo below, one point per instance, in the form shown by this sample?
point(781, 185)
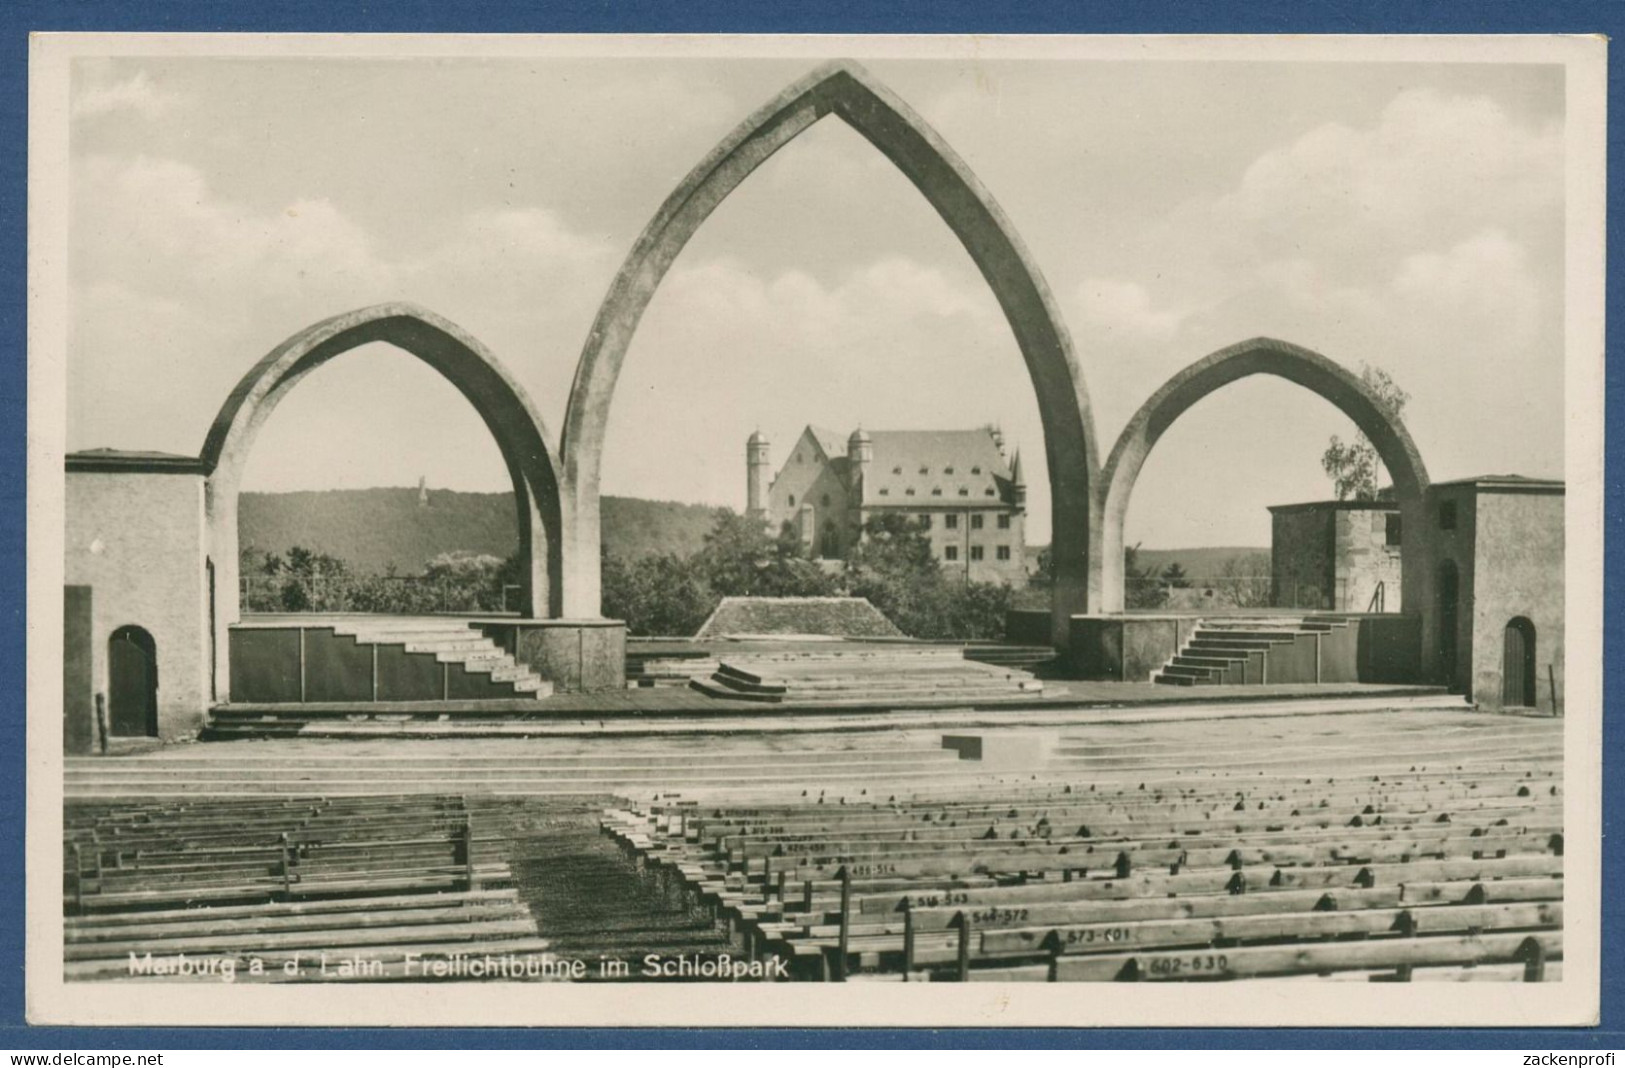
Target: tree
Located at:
point(1245, 579)
point(1174, 577)
point(739, 559)
point(657, 595)
point(1354, 467)
point(1141, 587)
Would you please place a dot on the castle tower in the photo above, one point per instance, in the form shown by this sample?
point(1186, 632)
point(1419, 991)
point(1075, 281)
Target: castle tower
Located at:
point(860, 453)
point(423, 491)
point(1018, 481)
point(758, 465)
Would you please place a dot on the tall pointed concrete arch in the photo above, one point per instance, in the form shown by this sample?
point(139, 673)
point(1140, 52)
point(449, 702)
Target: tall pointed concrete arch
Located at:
point(1313, 372)
point(465, 363)
point(848, 92)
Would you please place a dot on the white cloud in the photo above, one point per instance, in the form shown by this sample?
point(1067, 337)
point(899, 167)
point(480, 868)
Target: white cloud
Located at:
point(1484, 281)
point(138, 94)
point(1124, 308)
point(1433, 169)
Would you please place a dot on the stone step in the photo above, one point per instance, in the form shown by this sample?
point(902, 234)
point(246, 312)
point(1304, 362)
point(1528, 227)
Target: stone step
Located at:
point(460, 645)
point(1215, 663)
point(539, 762)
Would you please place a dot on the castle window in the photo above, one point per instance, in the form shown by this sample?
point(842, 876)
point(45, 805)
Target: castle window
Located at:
point(909, 492)
point(1391, 535)
point(947, 470)
point(1447, 515)
point(937, 492)
point(925, 470)
point(989, 492)
point(824, 500)
point(976, 470)
point(951, 552)
point(951, 521)
point(1004, 521)
point(925, 522)
point(1002, 552)
point(975, 552)
point(884, 492)
point(792, 500)
point(976, 521)
point(897, 470)
point(798, 457)
point(963, 492)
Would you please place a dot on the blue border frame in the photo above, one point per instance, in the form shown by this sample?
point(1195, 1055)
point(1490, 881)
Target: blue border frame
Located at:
point(20, 17)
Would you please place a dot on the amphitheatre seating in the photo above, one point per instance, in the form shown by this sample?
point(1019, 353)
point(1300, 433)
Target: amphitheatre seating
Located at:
point(1452, 874)
point(877, 673)
point(119, 856)
point(1262, 649)
point(394, 881)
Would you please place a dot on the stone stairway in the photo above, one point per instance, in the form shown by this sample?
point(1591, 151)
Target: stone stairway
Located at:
point(879, 675)
point(1238, 651)
point(450, 642)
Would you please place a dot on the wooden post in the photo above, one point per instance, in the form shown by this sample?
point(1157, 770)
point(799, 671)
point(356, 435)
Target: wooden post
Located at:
point(101, 721)
point(964, 947)
point(287, 867)
point(78, 877)
point(908, 941)
point(466, 847)
point(846, 922)
point(1551, 682)
point(1534, 960)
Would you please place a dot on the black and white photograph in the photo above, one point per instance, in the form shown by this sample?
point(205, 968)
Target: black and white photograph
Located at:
point(675, 530)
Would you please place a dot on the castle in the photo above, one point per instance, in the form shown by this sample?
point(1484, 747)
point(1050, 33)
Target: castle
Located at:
point(957, 484)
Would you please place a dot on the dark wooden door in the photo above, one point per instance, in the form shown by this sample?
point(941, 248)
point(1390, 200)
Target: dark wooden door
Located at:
point(1518, 665)
point(132, 683)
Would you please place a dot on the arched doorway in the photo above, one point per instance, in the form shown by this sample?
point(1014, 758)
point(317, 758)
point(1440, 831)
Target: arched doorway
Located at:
point(132, 683)
point(1310, 370)
point(526, 446)
point(1518, 664)
point(846, 91)
point(1447, 594)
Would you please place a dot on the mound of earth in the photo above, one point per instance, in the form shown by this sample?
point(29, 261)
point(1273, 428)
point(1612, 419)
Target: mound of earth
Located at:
point(834, 617)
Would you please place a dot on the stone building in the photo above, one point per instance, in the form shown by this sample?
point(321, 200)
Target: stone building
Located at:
point(137, 603)
point(958, 484)
point(1336, 556)
point(1493, 628)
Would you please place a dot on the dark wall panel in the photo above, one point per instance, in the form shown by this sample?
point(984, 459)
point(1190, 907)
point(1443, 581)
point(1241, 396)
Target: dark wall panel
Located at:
point(464, 685)
point(264, 664)
point(404, 676)
point(336, 668)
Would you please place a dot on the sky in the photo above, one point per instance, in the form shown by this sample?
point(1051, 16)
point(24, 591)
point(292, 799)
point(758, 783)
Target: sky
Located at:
point(1407, 216)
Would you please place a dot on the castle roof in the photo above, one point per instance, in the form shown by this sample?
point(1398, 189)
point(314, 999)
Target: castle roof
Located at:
point(961, 464)
point(833, 444)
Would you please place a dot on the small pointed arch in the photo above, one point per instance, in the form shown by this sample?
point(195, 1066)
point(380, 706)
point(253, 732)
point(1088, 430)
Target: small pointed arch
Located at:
point(846, 91)
point(463, 361)
point(1314, 372)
